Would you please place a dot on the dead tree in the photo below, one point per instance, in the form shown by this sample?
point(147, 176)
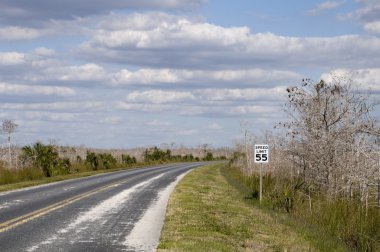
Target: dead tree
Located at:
point(327, 123)
point(8, 128)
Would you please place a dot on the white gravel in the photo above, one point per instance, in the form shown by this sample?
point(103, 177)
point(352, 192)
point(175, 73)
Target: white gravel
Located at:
point(146, 233)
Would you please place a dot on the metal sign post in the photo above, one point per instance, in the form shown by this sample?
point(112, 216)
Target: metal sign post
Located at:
point(261, 157)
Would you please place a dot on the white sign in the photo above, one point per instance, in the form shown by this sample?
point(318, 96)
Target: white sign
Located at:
point(261, 153)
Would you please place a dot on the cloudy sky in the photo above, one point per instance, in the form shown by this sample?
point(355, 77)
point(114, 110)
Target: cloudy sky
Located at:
point(123, 73)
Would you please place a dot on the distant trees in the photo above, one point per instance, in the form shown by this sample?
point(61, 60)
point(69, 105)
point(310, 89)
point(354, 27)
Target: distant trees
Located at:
point(48, 160)
point(156, 154)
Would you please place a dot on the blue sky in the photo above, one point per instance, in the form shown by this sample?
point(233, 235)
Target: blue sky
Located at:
point(122, 73)
point(283, 17)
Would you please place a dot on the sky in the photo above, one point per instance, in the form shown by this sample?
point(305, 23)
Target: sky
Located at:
point(123, 74)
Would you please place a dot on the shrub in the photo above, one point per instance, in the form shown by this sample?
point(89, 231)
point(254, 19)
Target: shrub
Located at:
point(128, 160)
point(100, 161)
point(92, 160)
point(346, 219)
point(42, 156)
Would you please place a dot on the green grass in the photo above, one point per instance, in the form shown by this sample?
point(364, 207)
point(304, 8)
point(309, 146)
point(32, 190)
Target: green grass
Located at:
point(341, 222)
point(320, 239)
point(207, 213)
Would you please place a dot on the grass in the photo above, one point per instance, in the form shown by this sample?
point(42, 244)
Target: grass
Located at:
point(320, 239)
point(207, 213)
point(342, 223)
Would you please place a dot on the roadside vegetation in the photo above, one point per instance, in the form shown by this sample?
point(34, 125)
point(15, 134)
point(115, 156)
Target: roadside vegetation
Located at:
point(41, 163)
point(210, 211)
point(324, 169)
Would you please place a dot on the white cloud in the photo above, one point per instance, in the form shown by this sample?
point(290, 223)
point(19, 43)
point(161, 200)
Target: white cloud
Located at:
point(159, 97)
point(205, 77)
point(214, 126)
point(56, 106)
point(249, 94)
point(44, 52)
point(365, 78)
point(329, 5)
point(86, 72)
point(144, 107)
point(158, 123)
point(19, 33)
point(146, 76)
point(186, 132)
point(217, 102)
point(178, 42)
point(372, 27)
point(11, 58)
point(17, 89)
point(367, 14)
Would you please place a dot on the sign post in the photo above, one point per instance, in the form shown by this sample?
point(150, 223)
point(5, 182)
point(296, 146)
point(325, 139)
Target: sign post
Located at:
point(261, 157)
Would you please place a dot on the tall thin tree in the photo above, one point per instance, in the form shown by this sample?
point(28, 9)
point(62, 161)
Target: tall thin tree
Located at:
point(9, 127)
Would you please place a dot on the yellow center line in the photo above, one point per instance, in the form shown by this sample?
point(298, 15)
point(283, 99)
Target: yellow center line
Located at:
point(7, 225)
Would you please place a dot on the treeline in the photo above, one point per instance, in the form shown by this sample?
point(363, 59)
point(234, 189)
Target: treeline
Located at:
point(324, 162)
point(157, 155)
point(43, 160)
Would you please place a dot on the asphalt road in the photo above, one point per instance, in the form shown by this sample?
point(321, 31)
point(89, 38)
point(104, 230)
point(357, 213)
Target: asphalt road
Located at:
point(120, 211)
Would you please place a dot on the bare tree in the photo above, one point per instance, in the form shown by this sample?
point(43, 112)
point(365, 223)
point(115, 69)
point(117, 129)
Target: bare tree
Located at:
point(244, 126)
point(330, 129)
point(9, 127)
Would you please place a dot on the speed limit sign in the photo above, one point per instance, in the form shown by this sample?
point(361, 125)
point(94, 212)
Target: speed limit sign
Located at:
point(261, 153)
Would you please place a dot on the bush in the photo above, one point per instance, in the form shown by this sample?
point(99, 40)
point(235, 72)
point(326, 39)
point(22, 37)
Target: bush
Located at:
point(100, 161)
point(345, 219)
point(42, 156)
point(155, 154)
point(208, 157)
point(92, 160)
point(106, 161)
point(128, 160)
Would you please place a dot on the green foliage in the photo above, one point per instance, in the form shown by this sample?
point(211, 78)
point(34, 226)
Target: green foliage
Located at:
point(92, 160)
point(155, 154)
point(345, 219)
point(128, 160)
point(106, 161)
point(64, 166)
point(100, 161)
point(208, 157)
point(44, 157)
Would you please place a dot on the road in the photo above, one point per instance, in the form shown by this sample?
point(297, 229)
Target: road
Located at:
point(119, 211)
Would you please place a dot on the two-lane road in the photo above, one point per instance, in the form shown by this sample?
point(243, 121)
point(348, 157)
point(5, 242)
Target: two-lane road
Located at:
point(119, 211)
